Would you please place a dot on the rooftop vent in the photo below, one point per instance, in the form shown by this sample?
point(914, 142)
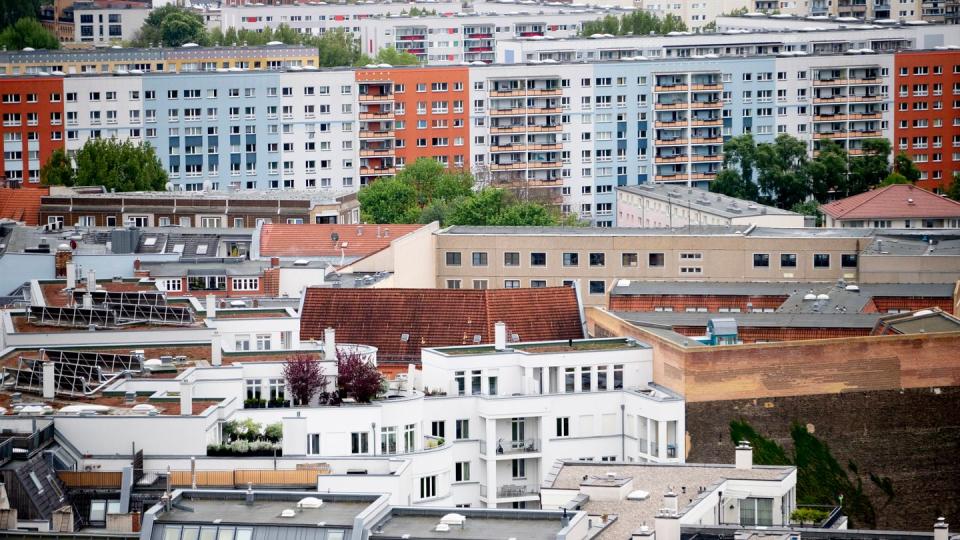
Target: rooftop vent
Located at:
point(823, 297)
point(638, 495)
point(809, 296)
point(288, 513)
point(310, 502)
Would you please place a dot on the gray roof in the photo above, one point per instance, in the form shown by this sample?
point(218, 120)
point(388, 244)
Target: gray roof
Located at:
point(940, 245)
point(668, 319)
point(228, 268)
point(705, 201)
point(695, 230)
point(105, 54)
point(263, 513)
point(480, 524)
point(772, 288)
point(315, 196)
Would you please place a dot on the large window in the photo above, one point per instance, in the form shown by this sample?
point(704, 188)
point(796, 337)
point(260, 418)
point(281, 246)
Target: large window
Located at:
point(597, 287)
point(360, 442)
point(313, 444)
point(428, 487)
point(754, 512)
point(207, 283)
point(410, 438)
point(254, 389)
point(461, 378)
point(277, 389)
point(241, 342)
point(246, 284)
point(569, 378)
point(388, 440)
point(519, 467)
point(628, 259)
point(538, 259)
point(438, 428)
point(598, 259)
point(263, 342)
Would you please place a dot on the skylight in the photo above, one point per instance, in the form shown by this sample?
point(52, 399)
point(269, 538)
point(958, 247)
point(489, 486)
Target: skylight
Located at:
point(202, 249)
point(152, 241)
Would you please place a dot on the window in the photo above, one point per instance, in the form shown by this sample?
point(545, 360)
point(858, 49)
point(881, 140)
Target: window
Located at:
point(206, 283)
point(461, 380)
point(519, 469)
point(754, 511)
point(655, 260)
point(788, 260)
point(462, 471)
point(438, 428)
point(571, 259)
point(492, 385)
point(563, 426)
point(463, 429)
point(538, 259)
point(453, 258)
point(410, 438)
point(479, 258)
point(598, 259)
point(360, 442)
point(263, 342)
point(428, 487)
point(538, 283)
point(618, 377)
point(511, 258)
point(313, 443)
point(245, 284)
point(597, 287)
point(821, 260)
point(388, 440)
point(242, 342)
point(276, 388)
point(761, 260)
point(475, 382)
point(629, 259)
point(848, 260)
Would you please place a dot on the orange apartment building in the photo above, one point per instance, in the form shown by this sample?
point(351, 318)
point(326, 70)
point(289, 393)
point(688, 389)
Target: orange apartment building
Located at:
point(405, 115)
point(32, 126)
point(927, 116)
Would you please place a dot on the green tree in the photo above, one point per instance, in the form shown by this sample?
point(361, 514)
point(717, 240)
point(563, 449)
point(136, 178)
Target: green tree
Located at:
point(57, 171)
point(388, 200)
point(809, 208)
point(953, 190)
point(478, 209)
point(338, 48)
point(781, 171)
point(120, 166)
point(171, 26)
point(637, 23)
point(432, 181)
point(903, 165)
point(389, 55)
point(827, 171)
point(729, 182)
point(870, 168)
point(735, 179)
point(27, 32)
point(12, 11)
point(894, 178)
point(525, 214)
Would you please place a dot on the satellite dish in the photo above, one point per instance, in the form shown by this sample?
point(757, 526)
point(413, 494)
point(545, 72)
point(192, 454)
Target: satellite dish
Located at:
point(335, 237)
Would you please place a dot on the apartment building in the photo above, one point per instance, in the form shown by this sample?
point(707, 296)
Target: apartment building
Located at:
point(927, 116)
point(32, 126)
point(179, 59)
point(695, 14)
point(108, 24)
point(761, 37)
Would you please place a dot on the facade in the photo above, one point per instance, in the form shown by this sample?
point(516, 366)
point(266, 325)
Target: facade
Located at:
point(93, 24)
point(898, 206)
point(652, 205)
point(926, 84)
point(694, 14)
point(32, 126)
point(168, 59)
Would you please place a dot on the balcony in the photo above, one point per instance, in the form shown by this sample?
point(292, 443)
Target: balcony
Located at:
point(673, 123)
point(508, 166)
point(683, 87)
point(671, 106)
point(671, 142)
point(829, 117)
point(544, 110)
point(830, 135)
point(830, 82)
point(516, 92)
point(519, 111)
point(525, 147)
point(544, 91)
point(374, 134)
point(376, 115)
point(707, 157)
point(670, 159)
point(370, 152)
point(368, 98)
point(708, 86)
point(706, 104)
point(544, 164)
point(513, 448)
point(708, 122)
point(703, 176)
point(380, 171)
point(858, 134)
point(707, 140)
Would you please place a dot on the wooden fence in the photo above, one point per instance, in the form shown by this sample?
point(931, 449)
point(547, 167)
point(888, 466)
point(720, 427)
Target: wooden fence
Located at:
point(241, 477)
point(90, 479)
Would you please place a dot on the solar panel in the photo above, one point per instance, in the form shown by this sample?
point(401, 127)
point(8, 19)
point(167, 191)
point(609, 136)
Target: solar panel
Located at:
point(152, 314)
point(73, 317)
point(31, 380)
point(108, 362)
point(155, 298)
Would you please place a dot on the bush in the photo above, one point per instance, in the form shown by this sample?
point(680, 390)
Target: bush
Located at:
point(808, 515)
point(273, 432)
point(254, 403)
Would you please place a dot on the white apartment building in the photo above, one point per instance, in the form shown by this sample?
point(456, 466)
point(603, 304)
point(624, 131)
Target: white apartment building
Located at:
point(694, 13)
point(107, 25)
point(478, 425)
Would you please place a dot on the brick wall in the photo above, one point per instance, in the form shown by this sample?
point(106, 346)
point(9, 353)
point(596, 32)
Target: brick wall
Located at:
point(911, 436)
point(793, 368)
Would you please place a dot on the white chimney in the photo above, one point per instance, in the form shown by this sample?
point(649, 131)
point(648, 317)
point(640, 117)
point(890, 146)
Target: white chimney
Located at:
point(671, 501)
point(643, 533)
point(329, 344)
point(211, 306)
point(744, 456)
point(500, 336)
point(216, 349)
point(667, 525)
point(186, 397)
point(87, 300)
point(71, 275)
point(941, 529)
point(49, 387)
point(91, 280)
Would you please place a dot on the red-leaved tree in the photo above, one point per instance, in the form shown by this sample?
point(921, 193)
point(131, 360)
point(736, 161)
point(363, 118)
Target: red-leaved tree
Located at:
point(304, 377)
point(356, 377)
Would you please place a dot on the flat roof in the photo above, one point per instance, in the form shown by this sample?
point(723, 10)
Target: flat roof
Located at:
point(694, 230)
point(159, 53)
point(479, 525)
point(669, 319)
point(685, 479)
point(774, 288)
point(314, 196)
point(936, 246)
point(548, 347)
point(234, 511)
point(705, 201)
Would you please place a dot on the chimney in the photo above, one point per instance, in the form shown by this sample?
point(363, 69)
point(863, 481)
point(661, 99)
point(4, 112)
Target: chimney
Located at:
point(249, 495)
point(91, 280)
point(216, 350)
point(274, 262)
point(49, 386)
point(71, 275)
point(941, 529)
point(643, 533)
point(500, 336)
point(671, 501)
point(667, 525)
point(744, 457)
point(211, 306)
point(87, 300)
point(186, 397)
point(329, 344)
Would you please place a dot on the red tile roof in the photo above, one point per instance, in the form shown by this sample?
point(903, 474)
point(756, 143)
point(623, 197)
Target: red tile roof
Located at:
point(316, 240)
point(438, 317)
point(22, 204)
point(894, 201)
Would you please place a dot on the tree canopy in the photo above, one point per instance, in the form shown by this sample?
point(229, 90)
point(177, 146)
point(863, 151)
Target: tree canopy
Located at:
point(12, 11)
point(171, 26)
point(119, 166)
point(27, 32)
point(638, 23)
point(425, 191)
point(781, 174)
